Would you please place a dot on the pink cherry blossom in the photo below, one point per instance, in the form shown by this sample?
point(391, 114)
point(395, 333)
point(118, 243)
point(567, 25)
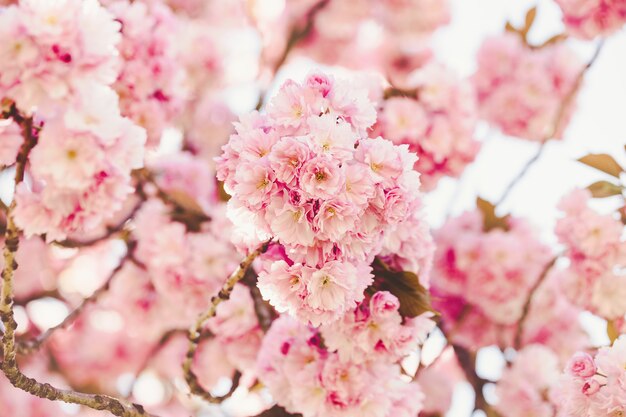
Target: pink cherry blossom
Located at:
point(520, 90)
point(587, 19)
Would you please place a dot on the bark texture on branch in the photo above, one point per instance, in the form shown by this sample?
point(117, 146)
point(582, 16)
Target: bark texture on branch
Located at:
point(9, 364)
point(195, 331)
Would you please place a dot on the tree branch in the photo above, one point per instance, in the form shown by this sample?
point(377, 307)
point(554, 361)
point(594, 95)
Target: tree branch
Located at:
point(194, 335)
point(9, 364)
point(519, 332)
point(297, 34)
point(557, 122)
point(467, 360)
point(26, 347)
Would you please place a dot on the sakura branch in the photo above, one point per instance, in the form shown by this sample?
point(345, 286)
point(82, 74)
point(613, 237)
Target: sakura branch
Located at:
point(519, 333)
point(298, 33)
point(195, 330)
point(557, 125)
point(29, 346)
point(9, 364)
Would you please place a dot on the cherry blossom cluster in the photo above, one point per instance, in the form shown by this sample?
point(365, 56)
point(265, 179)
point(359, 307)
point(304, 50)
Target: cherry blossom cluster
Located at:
point(525, 388)
point(151, 83)
point(596, 248)
point(594, 386)
point(58, 63)
point(481, 282)
point(376, 331)
point(588, 19)
point(342, 32)
point(185, 268)
point(307, 175)
point(521, 90)
point(437, 124)
point(51, 48)
point(321, 374)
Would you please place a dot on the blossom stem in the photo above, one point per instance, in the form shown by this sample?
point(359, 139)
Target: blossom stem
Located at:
point(297, 34)
point(9, 347)
point(195, 331)
point(562, 110)
point(519, 332)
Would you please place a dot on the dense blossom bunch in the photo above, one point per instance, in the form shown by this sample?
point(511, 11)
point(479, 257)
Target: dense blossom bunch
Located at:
point(375, 330)
point(51, 47)
point(306, 175)
point(324, 374)
point(589, 18)
point(525, 388)
point(80, 168)
point(437, 124)
point(596, 248)
point(410, 247)
point(151, 84)
point(481, 282)
point(521, 90)
point(500, 266)
point(59, 60)
point(186, 268)
point(594, 386)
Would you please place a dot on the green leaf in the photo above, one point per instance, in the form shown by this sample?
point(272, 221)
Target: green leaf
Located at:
point(414, 298)
point(602, 189)
point(603, 162)
point(491, 221)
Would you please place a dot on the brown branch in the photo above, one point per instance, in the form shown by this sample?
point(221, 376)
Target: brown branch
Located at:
point(26, 347)
point(519, 332)
point(467, 360)
point(194, 335)
point(9, 364)
point(111, 231)
point(297, 34)
point(265, 314)
point(166, 337)
point(557, 122)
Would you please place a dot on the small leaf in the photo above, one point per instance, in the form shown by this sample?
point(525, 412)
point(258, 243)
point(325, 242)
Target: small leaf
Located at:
point(510, 28)
point(602, 189)
point(603, 162)
point(414, 298)
point(554, 40)
point(490, 219)
point(612, 331)
point(530, 19)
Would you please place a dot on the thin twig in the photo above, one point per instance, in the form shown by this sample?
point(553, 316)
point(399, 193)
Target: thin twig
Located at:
point(26, 347)
point(519, 332)
point(297, 34)
point(110, 232)
point(194, 335)
point(9, 364)
point(557, 123)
